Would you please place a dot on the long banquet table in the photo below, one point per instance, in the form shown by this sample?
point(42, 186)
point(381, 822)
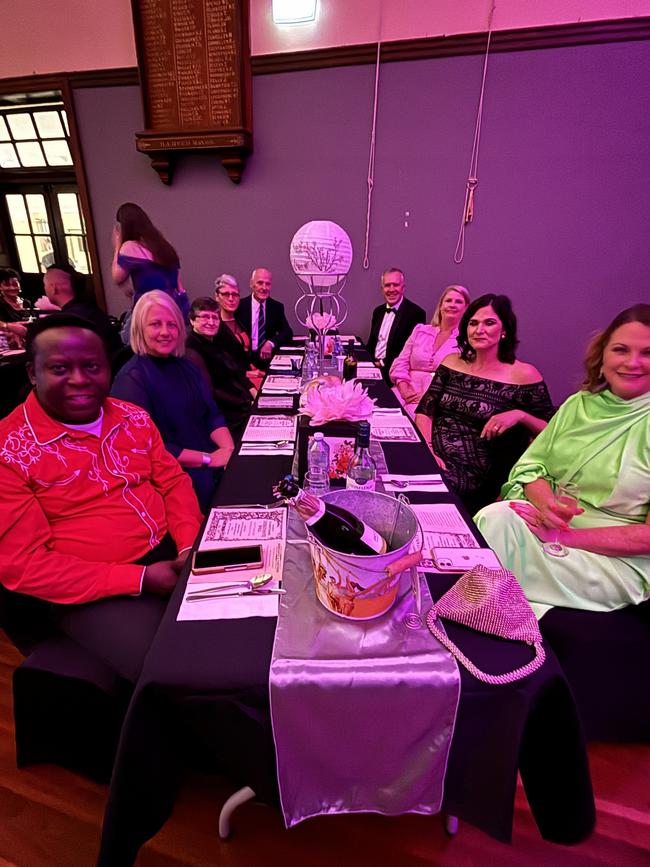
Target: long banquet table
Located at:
point(203, 700)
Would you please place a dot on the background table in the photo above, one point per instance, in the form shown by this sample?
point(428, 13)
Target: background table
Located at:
point(202, 700)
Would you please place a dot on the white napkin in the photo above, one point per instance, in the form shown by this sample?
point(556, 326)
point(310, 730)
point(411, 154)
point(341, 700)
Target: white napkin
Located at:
point(229, 608)
point(432, 482)
point(250, 449)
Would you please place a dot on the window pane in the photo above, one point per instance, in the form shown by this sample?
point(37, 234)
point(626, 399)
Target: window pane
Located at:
point(77, 253)
point(65, 122)
point(70, 215)
point(26, 254)
point(21, 126)
point(49, 124)
point(30, 153)
point(38, 214)
point(8, 158)
point(57, 153)
point(44, 249)
point(18, 214)
point(4, 132)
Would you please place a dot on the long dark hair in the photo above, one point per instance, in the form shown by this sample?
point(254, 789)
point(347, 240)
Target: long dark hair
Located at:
point(136, 226)
point(503, 309)
point(594, 380)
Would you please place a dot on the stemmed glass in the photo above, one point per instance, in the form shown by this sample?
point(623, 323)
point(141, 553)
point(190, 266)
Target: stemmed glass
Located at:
point(567, 495)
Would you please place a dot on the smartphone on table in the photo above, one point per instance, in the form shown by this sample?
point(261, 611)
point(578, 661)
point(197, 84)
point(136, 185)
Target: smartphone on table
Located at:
point(463, 559)
point(227, 559)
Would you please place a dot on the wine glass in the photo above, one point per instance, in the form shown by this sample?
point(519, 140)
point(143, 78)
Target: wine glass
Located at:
point(568, 495)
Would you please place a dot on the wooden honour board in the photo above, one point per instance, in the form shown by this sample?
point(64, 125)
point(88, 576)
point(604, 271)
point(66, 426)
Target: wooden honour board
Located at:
point(195, 74)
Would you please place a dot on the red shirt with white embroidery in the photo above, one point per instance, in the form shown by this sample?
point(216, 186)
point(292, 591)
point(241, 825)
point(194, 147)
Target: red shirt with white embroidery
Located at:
point(77, 510)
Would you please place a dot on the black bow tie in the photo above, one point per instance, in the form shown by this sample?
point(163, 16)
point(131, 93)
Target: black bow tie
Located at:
point(391, 310)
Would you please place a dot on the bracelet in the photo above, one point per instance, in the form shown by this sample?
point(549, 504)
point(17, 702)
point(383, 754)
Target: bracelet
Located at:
point(205, 459)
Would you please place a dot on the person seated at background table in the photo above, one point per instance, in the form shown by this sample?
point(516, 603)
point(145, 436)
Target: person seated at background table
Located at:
point(393, 322)
point(264, 318)
point(12, 310)
point(599, 439)
point(93, 505)
point(174, 393)
point(67, 289)
point(483, 405)
point(231, 389)
point(427, 346)
point(232, 336)
point(142, 254)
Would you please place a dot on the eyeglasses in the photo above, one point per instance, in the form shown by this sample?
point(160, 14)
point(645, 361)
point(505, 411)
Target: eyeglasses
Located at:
point(228, 294)
point(207, 317)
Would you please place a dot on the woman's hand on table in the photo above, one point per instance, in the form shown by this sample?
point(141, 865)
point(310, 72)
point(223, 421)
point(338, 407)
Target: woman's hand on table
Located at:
point(220, 457)
point(501, 422)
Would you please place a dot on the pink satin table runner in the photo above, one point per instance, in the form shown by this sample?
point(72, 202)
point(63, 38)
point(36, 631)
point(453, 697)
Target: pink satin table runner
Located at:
point(363, 713)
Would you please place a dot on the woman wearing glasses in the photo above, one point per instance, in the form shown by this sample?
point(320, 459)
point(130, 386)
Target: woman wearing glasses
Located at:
point(232, 390)
point(232, 337)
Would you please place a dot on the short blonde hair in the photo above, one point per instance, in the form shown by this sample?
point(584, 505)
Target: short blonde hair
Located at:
point(435, 319)
point(144, 305)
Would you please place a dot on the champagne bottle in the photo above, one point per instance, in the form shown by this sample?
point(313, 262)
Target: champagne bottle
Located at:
point(335, 526)
point(350, 363)
point(362, 471)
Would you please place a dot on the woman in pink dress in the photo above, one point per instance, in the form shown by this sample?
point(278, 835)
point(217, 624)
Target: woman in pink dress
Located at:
point(413, 368)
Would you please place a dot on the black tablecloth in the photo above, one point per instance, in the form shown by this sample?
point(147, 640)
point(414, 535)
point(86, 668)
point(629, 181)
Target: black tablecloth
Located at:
point(203, 699)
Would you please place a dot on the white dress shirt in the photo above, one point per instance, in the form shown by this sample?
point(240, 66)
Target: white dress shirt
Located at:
point(384, 332)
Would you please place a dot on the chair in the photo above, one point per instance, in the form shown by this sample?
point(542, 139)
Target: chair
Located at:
point(605, 659)
point(68, 705)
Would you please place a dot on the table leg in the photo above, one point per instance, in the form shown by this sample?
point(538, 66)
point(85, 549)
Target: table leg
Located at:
point(240, 797)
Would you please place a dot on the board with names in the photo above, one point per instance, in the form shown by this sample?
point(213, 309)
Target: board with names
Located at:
point(194, 62)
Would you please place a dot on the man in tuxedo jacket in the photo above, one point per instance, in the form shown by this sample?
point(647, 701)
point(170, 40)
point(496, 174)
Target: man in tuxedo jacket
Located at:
point(392, 322)
point(263, 318)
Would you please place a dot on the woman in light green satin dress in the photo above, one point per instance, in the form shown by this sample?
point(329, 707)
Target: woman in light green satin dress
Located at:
point(600, 440)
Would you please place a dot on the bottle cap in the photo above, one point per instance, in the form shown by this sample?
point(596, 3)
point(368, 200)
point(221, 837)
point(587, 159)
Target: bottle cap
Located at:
point(363, 434)
point(319, 435)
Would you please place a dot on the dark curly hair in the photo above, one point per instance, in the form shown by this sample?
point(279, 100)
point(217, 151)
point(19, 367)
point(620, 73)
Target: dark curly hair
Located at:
point(503, 309)
point(594, 380)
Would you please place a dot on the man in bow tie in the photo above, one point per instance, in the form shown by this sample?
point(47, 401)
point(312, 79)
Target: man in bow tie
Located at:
point(392, 322)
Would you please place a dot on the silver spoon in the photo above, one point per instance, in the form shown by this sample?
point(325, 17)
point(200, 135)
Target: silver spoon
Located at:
point(253, 584)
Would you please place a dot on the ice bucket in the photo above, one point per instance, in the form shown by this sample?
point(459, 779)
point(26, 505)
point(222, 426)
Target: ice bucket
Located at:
point(357, 587)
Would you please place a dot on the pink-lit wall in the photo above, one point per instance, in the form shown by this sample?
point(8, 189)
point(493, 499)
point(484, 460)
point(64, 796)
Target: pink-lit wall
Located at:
point(71, 35)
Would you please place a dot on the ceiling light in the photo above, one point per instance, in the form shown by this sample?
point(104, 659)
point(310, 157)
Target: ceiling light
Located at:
point(294, 11)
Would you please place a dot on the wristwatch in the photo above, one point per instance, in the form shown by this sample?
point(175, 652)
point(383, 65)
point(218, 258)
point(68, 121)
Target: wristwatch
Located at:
point(205, 460)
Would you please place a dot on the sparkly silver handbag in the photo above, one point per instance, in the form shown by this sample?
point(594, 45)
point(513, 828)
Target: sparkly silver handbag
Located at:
point(489, 601)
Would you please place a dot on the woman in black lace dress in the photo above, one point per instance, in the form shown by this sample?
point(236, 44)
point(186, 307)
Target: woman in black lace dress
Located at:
point(483, 406)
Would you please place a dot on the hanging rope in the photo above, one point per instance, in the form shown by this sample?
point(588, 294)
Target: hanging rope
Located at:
point(472, 178)
point(371, 159)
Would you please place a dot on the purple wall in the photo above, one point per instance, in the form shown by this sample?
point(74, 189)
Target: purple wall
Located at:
point(561, 223)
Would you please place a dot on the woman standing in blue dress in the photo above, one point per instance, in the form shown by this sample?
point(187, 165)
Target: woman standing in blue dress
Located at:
point(142, 254)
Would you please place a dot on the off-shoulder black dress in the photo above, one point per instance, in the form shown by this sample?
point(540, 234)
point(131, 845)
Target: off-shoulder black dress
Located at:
point(460, 404)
